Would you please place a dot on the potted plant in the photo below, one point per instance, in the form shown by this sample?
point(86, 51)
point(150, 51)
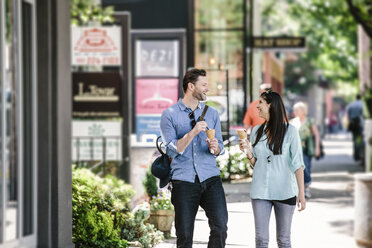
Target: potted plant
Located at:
point(162, 212)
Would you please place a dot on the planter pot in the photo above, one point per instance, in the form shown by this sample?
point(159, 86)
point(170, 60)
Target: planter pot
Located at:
point(162, 219)
point(363, 213)
point(368, 144)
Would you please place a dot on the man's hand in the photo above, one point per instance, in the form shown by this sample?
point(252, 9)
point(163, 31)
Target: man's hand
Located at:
point(213, 145)
point(199, 126)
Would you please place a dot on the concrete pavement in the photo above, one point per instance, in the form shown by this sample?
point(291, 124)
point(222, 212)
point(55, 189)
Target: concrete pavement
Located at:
point(327, 221)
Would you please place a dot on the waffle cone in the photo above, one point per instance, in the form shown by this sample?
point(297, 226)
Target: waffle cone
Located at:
point(210, 133)
point(242, 133)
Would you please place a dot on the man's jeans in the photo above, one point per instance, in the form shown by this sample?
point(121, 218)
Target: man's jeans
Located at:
point(283, 216)
point(186, 198)
point(357, 145)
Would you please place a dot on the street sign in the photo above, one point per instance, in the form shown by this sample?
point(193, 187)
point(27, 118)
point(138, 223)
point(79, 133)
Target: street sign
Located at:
point(279, 43)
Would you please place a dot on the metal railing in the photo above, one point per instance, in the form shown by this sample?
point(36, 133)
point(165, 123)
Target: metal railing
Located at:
point(97, 153)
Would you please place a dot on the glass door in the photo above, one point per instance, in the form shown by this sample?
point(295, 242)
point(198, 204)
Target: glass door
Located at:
point(18, 124)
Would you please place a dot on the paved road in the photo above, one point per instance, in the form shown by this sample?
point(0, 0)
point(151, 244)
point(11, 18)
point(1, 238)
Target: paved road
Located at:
point(326, 223)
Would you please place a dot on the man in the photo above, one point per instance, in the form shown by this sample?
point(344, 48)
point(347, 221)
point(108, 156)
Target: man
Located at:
point(251, 117)
point(195, 177)
point(355, 117)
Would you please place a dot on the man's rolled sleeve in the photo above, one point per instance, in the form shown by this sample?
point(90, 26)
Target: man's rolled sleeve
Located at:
point(218, 134)
point(168, 134)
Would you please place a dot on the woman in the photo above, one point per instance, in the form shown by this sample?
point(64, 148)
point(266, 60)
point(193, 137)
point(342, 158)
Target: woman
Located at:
point(309, 135)
point(278, 179)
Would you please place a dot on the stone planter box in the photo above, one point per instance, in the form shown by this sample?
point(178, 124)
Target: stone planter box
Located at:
point(363, 210)
point(368, 144)
point(162, 220)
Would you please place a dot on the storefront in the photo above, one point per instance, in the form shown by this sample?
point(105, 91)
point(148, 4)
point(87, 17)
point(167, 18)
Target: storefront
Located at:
point(35, 115)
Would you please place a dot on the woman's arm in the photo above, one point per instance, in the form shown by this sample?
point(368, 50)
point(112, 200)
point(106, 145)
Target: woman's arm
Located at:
point(315, 131)
point(301, 202)
point(244, 146)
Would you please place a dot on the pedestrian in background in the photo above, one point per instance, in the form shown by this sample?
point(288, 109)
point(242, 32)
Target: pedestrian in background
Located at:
point(355, 117)
point(195, 178)
point(278, 179)
point(251, 117)
point(310, 140)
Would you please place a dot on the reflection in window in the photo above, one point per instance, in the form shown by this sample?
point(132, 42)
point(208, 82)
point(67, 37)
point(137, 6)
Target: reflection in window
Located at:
point(221, 14)
point(225, 50)
point(1, 123)
point(28, 196)
point(11, 168)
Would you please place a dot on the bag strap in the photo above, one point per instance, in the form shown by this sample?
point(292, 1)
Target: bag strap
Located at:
point(159, 146)
point(201, 118)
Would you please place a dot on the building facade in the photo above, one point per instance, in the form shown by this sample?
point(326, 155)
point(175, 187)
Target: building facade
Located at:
point(35, 112)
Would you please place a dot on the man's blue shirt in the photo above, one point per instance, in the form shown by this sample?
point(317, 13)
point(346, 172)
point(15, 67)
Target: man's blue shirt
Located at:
point(196, 158)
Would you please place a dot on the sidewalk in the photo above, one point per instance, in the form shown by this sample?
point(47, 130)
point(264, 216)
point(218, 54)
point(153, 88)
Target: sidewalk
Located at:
point(327, 221)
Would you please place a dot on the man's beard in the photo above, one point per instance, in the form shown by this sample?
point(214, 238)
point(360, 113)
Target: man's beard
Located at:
point(199, 95)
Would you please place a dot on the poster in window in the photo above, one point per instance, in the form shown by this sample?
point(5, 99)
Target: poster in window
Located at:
point(153, 96)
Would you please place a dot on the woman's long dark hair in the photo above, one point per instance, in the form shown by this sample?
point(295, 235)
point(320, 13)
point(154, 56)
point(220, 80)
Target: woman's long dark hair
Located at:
point(277, 125)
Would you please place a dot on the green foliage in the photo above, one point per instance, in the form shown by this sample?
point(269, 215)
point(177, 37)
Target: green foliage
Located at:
point(136, 228)
point(362, 12)
point(239, 163)
point(101, 213)
point(161, 201)
point(367, 98)
point(85, 11)
point(331, 40)
point(149, 182)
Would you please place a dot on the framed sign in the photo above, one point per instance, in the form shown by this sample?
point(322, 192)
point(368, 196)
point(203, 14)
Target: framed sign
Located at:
point(157, 58)
point(96, 45)
point(159, 62)
point(96, 94)
point(148, 128)
point(95, 140)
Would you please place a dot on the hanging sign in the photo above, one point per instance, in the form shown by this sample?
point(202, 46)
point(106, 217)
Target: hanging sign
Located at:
point(96, 45)
point(96, 94)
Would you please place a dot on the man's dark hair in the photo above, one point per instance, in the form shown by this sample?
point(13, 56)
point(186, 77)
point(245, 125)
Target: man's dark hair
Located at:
point(358, 96)
point(191, 76)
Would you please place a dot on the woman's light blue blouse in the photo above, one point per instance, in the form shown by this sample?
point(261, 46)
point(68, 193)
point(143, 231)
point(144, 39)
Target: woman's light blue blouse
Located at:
point(274, 175)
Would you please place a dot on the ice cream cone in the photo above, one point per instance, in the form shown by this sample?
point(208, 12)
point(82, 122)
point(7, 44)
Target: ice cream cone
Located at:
point(210, 133)
point(242, 133)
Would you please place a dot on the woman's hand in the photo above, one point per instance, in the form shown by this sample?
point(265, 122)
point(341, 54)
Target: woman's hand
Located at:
point(301, 201)
point(243, 145)
point(317, 151)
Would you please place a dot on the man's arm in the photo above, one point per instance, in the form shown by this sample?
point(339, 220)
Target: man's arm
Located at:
point(185, 141)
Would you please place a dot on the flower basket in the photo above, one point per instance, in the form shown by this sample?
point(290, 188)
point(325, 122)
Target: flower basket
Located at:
point(162, 219)
point(162, 212)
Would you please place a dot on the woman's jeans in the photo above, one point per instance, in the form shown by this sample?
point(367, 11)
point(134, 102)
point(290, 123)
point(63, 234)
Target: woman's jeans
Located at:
point(186, 198)
point(307, 171)
point(283, 216)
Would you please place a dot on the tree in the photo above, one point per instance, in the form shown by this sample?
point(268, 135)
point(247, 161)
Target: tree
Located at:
point(361, 10)
point(331, 37)
point(85, 11)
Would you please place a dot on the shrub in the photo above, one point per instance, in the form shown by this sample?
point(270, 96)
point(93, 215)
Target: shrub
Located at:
point(149, 182)
point(239, 163)
point(101, 213)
